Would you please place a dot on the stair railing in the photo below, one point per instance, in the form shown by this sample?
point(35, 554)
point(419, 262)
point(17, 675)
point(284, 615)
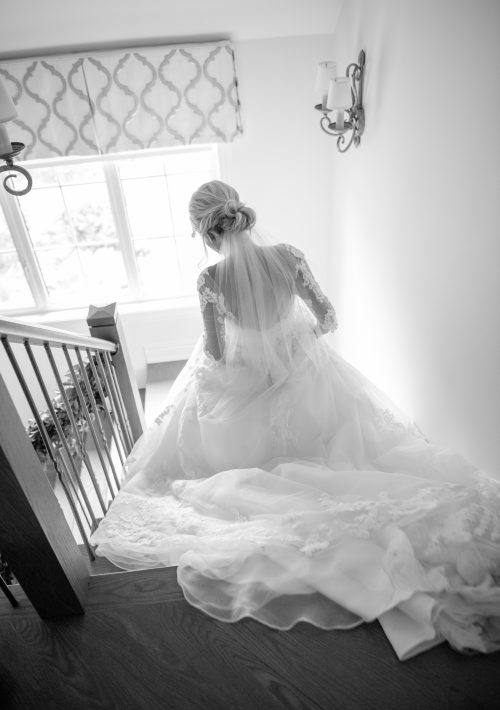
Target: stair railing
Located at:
point(85, 432)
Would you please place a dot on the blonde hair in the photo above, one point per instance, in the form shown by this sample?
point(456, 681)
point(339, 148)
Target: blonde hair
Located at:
point(216, 206)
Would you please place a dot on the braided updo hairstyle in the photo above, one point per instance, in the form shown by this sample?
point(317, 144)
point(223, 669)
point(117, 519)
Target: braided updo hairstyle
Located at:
point(215, 207)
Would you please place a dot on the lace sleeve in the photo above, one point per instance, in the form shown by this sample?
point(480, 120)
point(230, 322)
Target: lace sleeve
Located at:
point(309, 290)
point(213, 314)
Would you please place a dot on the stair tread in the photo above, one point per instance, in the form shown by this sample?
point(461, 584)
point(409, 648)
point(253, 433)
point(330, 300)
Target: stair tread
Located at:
point(160, 377)
point(111, 590)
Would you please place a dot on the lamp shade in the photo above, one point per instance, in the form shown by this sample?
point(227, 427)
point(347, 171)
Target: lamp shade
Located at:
point(339, 94)
point(325, 72)
point(7, 109)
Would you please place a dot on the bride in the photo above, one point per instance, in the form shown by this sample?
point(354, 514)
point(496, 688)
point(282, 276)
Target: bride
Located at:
point(285, 486)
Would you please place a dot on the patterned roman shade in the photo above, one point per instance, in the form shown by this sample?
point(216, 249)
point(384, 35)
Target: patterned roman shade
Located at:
point(127, 99)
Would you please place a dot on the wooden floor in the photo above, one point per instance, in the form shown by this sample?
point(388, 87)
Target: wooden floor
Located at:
point(140, 645)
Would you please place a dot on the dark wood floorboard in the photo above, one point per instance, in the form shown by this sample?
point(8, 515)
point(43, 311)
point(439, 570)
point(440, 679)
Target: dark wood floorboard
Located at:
point(141, 646)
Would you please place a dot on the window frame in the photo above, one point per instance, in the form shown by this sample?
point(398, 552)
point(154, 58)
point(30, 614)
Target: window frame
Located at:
point(26, 252)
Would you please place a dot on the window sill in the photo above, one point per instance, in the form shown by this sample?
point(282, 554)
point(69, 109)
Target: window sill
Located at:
point(166, 304)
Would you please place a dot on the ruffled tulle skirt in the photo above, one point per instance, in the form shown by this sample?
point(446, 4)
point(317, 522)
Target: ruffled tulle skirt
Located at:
point(307, 496)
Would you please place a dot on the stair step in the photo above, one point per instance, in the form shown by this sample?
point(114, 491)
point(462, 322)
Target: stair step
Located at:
point(100, 565)
point(111, 590)
point(160, 377)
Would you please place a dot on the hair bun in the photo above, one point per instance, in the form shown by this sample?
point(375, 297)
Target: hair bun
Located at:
point(216, 206)
point(231, 208)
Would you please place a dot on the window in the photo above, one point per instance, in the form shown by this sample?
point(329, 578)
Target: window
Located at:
point(112, 228)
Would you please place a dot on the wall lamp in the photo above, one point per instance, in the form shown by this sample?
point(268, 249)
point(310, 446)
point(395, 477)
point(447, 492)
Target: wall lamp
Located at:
point(8, 150)
point(343, 95)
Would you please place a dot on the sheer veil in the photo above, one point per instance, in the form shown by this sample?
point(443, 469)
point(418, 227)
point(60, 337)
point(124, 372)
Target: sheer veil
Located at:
point(257, 287)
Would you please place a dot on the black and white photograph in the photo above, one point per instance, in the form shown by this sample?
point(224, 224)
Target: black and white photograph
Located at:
point(250, 355)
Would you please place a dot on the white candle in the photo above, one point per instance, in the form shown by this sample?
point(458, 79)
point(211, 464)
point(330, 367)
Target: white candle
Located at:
point(5, 146)
point(7, 112)
point(339, 120)
point(339, 93)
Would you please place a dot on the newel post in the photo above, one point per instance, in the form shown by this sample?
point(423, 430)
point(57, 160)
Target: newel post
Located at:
point(34, 534)
point(103, 322)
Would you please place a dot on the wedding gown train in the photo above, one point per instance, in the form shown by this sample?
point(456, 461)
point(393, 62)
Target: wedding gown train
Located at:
point(286, 487)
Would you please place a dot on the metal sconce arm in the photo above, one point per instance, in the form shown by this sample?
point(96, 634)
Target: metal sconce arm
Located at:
point(10, 168)
point(356, 114)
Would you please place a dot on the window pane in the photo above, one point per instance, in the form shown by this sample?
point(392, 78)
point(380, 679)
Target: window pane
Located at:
point(46, 218)
point(62, 274)
point(71, 226)
point(158, 267)
point(14, 289)
point(148, 207)
point(192, 259)
point(104, 273)
point(80, 276)
point(90, 213)
point(5, 238)
point(181, 187)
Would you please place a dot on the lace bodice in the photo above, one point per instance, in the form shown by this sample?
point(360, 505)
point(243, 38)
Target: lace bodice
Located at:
point(215, 312)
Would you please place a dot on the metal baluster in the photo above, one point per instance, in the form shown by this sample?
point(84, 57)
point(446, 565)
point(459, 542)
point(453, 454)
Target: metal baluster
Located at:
point(81, 445)
point(5, 589)
point(90, 425)
point(120, 410)
point(86, 512)
point(113, 407)
point(52, 449)
point(60, 432)
point(95, 411)
point(49, 446)
point(105, 407)
point(111, 368)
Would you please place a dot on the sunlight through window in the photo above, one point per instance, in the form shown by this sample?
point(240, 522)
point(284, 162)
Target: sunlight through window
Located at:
point(104, 230)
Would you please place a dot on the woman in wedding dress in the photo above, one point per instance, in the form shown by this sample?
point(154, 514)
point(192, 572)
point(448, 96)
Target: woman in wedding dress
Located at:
point(285, 486)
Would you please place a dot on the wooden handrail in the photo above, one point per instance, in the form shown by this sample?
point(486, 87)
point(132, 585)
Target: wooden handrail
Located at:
point(18, 332)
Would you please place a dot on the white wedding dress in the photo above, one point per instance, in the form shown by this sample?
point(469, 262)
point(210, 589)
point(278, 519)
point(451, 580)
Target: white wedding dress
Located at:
point(286, 487)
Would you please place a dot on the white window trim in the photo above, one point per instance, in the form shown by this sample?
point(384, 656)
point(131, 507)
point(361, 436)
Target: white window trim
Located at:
point(22, 243)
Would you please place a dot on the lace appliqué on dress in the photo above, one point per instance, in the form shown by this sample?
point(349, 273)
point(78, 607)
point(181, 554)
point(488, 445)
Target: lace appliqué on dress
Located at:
point(310, 291)
point(436, 519)
point(214, 313)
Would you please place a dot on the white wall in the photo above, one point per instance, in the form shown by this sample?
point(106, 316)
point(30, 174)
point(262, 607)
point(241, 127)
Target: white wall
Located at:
point(56, 24)
point(416, 215)
point(282, 165)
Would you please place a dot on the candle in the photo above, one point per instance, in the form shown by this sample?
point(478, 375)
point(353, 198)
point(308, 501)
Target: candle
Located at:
point(7, 113)
point(5, 146)
point(339, 94)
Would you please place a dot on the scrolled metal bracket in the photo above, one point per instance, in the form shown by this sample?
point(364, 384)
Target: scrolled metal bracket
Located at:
point(11, 169)
point(355, 123)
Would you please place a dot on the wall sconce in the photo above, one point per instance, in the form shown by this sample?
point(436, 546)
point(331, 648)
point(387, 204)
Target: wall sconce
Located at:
point(342, 95)
point(8, 150)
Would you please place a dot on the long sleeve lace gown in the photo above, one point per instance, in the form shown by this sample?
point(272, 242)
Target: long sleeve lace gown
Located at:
point(286, 487)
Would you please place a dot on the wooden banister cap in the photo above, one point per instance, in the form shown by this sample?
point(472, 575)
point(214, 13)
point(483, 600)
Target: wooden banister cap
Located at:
point(103, 315)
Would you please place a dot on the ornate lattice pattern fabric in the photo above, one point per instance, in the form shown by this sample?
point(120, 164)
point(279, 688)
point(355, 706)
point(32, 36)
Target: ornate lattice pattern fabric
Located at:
point(127, 99)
